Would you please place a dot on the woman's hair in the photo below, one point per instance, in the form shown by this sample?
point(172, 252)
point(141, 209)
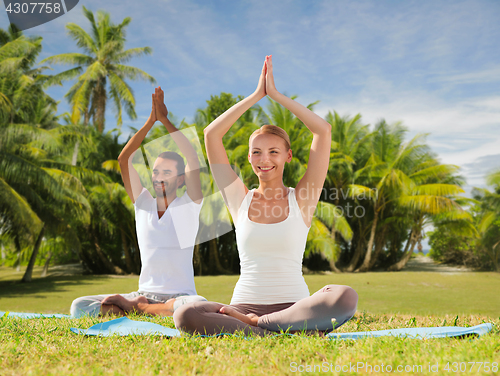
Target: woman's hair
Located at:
point(272, 129)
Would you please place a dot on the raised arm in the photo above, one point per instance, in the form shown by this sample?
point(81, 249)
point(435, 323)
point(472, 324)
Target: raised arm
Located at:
point(130, 177)
point(192, 173)
point(232, 188)
point(309, 188)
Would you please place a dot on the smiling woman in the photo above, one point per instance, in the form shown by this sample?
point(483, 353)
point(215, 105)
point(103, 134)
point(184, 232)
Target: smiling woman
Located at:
point(272, 223)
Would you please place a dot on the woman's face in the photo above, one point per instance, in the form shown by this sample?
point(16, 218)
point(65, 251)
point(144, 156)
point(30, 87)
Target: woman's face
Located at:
point(267, 154)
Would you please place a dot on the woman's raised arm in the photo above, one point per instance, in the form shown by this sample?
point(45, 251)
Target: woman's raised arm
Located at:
point(232, 188)
point(309, 188)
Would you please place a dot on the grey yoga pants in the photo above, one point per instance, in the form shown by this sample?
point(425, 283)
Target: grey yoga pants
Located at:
point(91, 305)
point(312, 313)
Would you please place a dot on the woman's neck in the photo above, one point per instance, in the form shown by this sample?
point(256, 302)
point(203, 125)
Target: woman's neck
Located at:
point(272, 189)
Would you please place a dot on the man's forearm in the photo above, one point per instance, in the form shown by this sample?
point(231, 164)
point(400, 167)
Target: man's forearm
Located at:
point(135, 142)
point(182, 143)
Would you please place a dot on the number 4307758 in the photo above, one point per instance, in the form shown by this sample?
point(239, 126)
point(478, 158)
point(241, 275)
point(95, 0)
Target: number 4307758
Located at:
point(33, 8)
point(471, 367)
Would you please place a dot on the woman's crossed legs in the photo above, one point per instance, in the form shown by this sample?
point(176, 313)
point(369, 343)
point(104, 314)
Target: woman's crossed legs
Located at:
point(312, 313)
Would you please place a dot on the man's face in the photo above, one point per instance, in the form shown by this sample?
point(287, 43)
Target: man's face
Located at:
point(165, 177)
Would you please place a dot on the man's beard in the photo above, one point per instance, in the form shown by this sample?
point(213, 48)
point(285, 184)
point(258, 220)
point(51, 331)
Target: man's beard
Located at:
point(163, 191)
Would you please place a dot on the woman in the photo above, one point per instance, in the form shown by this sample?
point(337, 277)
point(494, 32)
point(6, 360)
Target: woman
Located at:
point(271, 223)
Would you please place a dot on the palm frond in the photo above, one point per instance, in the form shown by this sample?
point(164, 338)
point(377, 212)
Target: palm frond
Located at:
point(111, 165)
point(126, 55)
point(16, 211)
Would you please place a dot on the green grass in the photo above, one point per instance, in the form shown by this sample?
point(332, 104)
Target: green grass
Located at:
point(387, 300)
point(414, 293)
point(46, 346)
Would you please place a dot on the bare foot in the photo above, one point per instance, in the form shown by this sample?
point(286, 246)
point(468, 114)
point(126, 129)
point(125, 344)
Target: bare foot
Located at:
point(126, 304)
point(250, 319)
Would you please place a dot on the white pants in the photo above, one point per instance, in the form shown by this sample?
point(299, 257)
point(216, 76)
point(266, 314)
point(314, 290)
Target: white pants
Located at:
point(91, 305)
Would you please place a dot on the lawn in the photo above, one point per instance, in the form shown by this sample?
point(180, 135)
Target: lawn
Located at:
point(387, 300)
point(413, 293)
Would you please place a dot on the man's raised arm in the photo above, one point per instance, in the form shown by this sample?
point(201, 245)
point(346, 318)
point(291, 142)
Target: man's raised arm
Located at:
point(192, 173)
point(130, 177)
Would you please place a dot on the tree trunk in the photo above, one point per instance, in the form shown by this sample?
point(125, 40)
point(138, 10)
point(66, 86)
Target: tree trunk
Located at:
point(214, 258)
point(75, 154)
point(355, 258)
point(379, 245)
point(406, 255)
point(17, 244)
point(334, 268)
point(3, 254)
point(197, 265)
point(333, 233)
point(46, 266)
point(108, 264)
point(101, 105)
point(126, 250)
point(29, 270)
point(137, 253)
point(366, 262)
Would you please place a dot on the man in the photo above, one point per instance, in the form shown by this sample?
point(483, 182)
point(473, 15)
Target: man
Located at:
point(166, 228)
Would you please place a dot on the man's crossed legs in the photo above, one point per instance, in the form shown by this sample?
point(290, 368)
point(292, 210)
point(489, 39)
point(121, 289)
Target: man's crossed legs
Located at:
point(139, 302)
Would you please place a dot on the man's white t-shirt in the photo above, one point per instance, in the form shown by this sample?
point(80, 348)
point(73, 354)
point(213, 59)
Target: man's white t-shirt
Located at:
point(166, 244)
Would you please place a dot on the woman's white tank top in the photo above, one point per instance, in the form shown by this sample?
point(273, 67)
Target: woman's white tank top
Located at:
point(270, 257)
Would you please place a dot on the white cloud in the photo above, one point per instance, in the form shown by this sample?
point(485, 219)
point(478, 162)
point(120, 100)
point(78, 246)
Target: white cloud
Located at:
point(483, 76)
point(428, 64)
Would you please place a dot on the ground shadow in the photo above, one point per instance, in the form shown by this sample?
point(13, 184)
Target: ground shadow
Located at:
point(14, 289)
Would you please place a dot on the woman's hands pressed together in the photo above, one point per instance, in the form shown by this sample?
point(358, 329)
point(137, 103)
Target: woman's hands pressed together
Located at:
point(261, 86)
point(270, 86)
point(266, 84)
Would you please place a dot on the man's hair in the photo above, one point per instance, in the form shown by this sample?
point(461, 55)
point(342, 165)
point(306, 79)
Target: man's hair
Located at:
point(272, 129)
point(181, 167)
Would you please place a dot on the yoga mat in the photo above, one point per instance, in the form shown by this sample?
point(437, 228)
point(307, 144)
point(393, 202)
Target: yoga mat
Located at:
point(24, 315)
point(125, 327)
point(419, 333)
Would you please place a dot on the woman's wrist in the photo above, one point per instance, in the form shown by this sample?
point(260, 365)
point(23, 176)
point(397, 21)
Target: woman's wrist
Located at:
point(256, 96)
point(275, 95)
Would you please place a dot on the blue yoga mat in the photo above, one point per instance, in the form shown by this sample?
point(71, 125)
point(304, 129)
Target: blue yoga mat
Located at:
point(420, 333)
point(125, 327)
point(24, 315)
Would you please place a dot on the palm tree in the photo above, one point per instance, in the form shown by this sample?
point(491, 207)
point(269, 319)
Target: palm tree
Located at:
point(328, 220)
point(488, 220)
point(22, 99)
point(36, 197)
point(432, 194)
point(405, 175)
point(59, 210)
point(102, 63)
point(349, 150)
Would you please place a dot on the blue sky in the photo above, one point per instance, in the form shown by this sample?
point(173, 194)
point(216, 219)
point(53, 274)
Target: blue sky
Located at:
point(435, 66)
